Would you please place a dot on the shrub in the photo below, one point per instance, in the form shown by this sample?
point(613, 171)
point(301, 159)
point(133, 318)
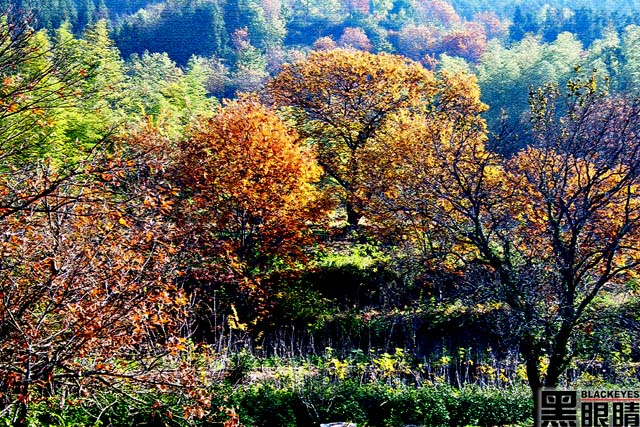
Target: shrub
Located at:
point(268, 406)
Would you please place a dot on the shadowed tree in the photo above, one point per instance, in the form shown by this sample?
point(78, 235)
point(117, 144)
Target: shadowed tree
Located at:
point(553, 226)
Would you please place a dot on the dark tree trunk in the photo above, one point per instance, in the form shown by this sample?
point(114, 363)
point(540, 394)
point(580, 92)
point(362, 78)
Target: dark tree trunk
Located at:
point(21, 416)
point(534, 383)
point(531, 352)
point(557, 363)
point(352, 217)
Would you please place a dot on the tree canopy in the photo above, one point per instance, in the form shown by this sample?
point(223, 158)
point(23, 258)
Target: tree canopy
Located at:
point(393, 194)
point(341, 99)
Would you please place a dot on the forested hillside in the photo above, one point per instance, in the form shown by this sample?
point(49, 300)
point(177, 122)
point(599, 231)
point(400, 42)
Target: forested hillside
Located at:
point(283, 213)
point(240, 43)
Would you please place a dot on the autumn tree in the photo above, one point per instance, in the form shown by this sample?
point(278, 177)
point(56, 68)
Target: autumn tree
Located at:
point(249, 206)
point(215, 74)
point(341, 98)
point(325, 43)
point(493, 25)
point(437, 12)
point(250, 189)
point(469, 42)
point(355, 38)
point(403, 162)
point(86, 279)
point(552, 227)
point(417, 41)
point(582, 174)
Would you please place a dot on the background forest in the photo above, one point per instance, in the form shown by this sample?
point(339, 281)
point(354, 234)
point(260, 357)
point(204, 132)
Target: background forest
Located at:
point(281, 212)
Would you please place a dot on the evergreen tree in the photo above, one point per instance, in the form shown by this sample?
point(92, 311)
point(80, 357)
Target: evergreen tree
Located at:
point(630, 51)
point(181, 29)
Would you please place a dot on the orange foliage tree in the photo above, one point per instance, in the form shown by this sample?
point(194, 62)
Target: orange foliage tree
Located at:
point(341, 99)
point(579, 211)
point(250, 190)
point(85, 278)
point(85, 275)
point(406, 163)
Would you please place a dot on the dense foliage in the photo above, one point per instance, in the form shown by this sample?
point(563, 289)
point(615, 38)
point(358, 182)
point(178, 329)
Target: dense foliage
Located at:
point(409, 212)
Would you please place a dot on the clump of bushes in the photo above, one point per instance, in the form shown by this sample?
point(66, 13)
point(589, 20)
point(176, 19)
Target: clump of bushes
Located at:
point(315, 400)
point(381, 405)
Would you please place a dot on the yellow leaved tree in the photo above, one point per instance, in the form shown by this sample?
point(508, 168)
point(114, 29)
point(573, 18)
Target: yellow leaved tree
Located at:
point(341, 99)
point(543, 233)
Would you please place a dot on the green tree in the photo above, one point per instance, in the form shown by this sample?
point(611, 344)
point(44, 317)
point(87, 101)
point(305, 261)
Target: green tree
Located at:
point(506, 75)
point(250, 69)
point(215, 72)
point(630, 51)
point(156, 86)
point(97, 109)
point(454, 64)
point(38, 84)
point(308, 20)
point(180, 29)
point(605, 56)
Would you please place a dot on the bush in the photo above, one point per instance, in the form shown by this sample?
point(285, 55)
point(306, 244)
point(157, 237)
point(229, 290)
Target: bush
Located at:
point(382, 405)
point(267, 406)
point(489, 406)
point(309, 402)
